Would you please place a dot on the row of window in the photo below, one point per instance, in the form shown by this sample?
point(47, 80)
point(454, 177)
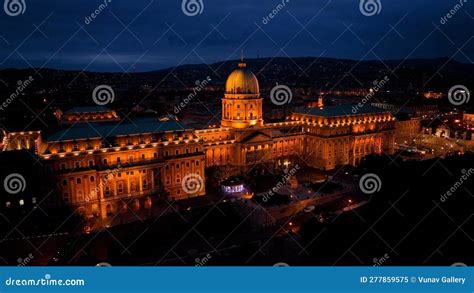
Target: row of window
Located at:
point(177, 152)
point(92, 178)
point(89, 145)
point(177, 165)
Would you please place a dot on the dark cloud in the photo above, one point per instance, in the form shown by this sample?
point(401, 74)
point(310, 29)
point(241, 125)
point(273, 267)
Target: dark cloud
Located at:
point(160, 35)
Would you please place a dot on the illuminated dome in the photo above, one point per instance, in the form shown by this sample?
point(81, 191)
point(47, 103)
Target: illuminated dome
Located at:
point(242, 81)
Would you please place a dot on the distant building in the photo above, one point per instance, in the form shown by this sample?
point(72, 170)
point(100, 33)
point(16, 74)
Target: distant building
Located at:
point(468, 119)
point(81, 114)
point(433, 95)
point(423, 111)
point(21, 140)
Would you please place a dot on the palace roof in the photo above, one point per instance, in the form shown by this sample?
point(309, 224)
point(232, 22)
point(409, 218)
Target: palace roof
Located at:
point(111, 129)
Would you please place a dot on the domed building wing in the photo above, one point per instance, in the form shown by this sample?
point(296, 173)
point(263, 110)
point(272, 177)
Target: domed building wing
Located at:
point(242, 103)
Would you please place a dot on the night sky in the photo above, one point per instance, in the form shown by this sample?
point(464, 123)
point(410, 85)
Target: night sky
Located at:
point(49, 33)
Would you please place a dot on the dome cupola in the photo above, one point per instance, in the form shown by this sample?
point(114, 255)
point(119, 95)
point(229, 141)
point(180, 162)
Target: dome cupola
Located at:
point(242, 81)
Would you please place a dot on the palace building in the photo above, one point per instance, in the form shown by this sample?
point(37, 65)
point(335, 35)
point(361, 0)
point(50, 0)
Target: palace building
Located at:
point(102, 165)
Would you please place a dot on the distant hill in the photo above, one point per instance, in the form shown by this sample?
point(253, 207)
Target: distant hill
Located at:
point(317, 73)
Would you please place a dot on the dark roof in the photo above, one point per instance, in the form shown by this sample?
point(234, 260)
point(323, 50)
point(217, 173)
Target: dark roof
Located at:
point(111, 129)
point(89, 109)
point(339, 110)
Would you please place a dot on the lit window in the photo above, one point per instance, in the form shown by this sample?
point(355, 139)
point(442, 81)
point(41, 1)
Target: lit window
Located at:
point(8, 204)
point(33, 200)
point(22, 202)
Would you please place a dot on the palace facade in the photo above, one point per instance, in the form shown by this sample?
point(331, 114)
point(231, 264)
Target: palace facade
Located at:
point(102, 165)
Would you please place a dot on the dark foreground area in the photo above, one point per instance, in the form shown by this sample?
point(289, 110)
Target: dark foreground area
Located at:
point(412, 220)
